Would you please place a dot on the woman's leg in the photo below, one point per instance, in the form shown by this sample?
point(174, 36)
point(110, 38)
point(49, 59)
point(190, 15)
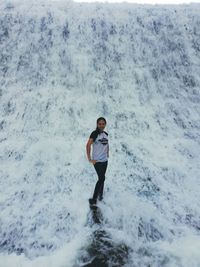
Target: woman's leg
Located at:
point(104, 167)
point(100, 168)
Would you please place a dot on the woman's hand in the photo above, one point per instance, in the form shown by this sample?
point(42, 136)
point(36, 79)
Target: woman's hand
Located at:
point(93, 161)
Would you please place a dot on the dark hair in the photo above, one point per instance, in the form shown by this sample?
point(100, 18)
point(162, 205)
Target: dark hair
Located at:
point(100, 118)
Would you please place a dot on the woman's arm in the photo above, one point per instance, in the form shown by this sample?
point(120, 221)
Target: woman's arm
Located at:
point(108, 151)
point(88, 148)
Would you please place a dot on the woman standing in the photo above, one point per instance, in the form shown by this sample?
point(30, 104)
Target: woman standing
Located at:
point(100, 153)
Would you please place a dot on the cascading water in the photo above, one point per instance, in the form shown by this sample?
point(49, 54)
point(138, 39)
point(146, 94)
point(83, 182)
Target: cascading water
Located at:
point(63, 65)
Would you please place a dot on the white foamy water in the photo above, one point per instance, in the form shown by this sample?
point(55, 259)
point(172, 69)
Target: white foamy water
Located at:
point(63, 65)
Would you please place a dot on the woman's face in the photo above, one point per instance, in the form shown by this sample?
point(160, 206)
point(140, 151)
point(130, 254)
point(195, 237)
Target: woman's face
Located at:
point(101, 124)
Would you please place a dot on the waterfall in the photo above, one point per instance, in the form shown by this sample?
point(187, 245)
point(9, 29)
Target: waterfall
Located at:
point(64, 64)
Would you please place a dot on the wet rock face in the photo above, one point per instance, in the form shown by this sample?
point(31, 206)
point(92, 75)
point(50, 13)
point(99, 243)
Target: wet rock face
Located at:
point(103, 251)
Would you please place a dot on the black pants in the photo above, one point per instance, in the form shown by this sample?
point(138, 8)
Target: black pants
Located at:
point(100, 168)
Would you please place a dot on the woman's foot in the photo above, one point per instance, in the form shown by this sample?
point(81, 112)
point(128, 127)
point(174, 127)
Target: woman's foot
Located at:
point(92, 201)
point(100, 198)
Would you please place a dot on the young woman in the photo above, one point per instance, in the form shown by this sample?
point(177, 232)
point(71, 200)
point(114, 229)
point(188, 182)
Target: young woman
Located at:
point(100, 153)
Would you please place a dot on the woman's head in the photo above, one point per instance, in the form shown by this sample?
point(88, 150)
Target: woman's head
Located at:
point(101, 124)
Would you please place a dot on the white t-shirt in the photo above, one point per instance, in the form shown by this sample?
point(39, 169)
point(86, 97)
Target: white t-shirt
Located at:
point(100, 146)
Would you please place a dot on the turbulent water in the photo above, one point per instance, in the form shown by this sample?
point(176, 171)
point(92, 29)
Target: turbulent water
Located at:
point(63, 65)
